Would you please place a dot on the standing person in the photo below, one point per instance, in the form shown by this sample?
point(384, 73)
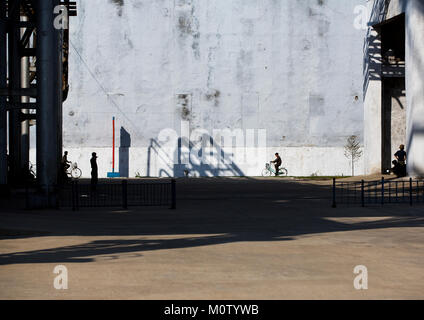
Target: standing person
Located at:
point(401, 159)
point(277, 163)
point(94, 171)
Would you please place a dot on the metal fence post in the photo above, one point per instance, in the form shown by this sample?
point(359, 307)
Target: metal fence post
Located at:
point(124, 194)
point(174, 194)
point(334, 193)
point(73, 195)
point(363, 193)
point(382, 191)
point(76, 196)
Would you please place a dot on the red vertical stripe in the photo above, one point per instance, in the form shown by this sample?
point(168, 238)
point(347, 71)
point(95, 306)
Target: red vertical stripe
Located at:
point(113, 157)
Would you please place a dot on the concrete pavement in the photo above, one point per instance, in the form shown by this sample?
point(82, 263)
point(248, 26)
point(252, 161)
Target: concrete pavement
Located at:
point(230, 238)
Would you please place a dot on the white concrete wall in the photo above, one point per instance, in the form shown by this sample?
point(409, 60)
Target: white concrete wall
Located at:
point(292, 68)
point(373, 84)
point(301, 161)
point(415, 85)
point(372, 103)
point(414, 19)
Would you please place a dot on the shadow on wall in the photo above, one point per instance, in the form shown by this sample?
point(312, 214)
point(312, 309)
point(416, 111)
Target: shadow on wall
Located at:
point(372, 59)
point(124, 151)
point(195, 165)
point(372, 45)
point(190, 162)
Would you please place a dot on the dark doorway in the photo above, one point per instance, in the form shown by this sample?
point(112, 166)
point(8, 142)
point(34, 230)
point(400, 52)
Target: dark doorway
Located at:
point(393, 88)
point(394, 118)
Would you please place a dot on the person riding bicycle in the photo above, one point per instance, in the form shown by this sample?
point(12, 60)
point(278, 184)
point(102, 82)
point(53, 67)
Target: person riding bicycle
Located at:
point(277, 163)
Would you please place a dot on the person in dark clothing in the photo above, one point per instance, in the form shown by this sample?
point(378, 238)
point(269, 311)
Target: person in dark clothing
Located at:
point(401, 160)
point(94, 171)
point(277, 163)
point(65, 162)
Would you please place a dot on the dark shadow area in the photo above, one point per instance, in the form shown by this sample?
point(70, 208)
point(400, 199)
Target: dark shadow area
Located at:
point(124, 158)
point(383, 35)
point(372, 59)
point(211, 211)
point(393, 119)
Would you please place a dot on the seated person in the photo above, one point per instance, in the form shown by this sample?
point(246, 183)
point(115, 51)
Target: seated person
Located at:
point(401, 160)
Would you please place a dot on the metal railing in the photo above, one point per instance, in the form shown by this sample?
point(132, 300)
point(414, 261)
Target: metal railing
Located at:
point(124, 194)
point(382, 192)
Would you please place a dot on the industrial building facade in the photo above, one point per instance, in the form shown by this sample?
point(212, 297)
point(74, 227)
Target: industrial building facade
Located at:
point(294, 77)
point(393, 86)
point(289, 69)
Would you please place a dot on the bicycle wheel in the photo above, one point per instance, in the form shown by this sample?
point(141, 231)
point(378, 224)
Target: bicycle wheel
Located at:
point(283, 172)
point(76, 173)
point(266, 173)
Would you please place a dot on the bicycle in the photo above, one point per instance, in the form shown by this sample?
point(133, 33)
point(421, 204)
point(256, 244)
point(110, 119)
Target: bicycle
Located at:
point(73, 171)
point(269, 171)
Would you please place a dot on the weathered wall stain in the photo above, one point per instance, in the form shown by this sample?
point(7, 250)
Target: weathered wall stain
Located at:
point(195, 60)
point(119, 4)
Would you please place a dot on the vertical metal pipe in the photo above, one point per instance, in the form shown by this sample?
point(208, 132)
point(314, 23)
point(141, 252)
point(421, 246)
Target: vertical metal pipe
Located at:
point(14, 64)
point(173, 194)
point(124, 194)
point(3, 114)
point(24, 124)
point(382, 191)
point(48, 95)
point(334, 193)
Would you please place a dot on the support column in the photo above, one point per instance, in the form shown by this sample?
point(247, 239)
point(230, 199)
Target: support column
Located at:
point(372, 103)
point(24, 124)
point(14, 63)
point(48, 96)
point(414, 86)
point(3, 114)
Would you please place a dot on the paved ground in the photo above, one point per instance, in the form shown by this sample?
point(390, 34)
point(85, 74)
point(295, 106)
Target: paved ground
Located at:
point(229, 239)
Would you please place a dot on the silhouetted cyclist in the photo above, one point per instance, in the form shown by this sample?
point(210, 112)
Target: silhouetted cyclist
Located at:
point(277, 163)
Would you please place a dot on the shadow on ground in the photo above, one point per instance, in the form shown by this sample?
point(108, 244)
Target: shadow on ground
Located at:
point(210, 212)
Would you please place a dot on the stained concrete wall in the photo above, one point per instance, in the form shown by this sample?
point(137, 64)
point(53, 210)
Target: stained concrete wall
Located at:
point(414, 20)
point(293, 68)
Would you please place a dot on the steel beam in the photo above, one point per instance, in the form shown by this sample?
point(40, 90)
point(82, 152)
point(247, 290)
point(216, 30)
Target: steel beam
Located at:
point(49, 87)
point(14, 63)
point(32, 92)
point(3, 83)
point(24, 100)
point(20, 106)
